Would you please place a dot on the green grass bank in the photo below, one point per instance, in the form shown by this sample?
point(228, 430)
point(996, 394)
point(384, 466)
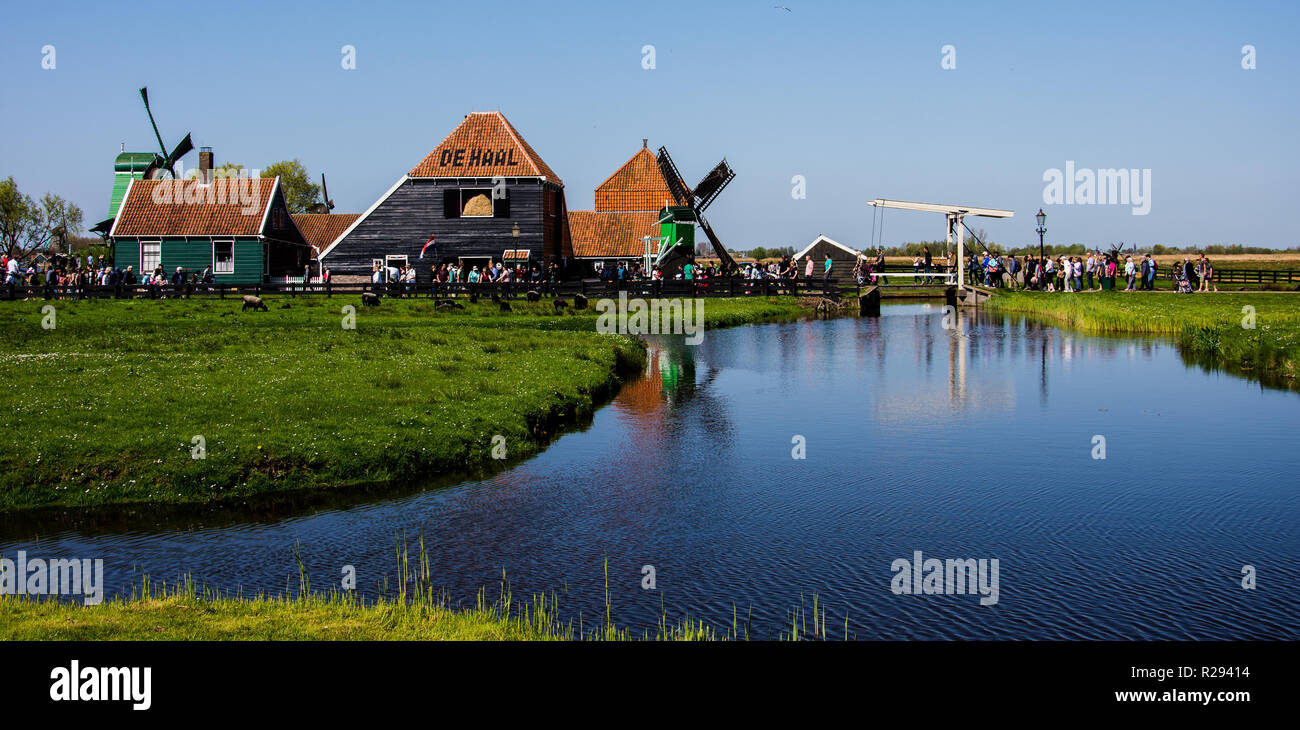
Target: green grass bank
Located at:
point(1256, 334)
point(113, 404)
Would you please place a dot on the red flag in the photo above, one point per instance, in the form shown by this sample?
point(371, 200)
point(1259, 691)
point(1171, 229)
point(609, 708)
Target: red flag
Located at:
point(427, 244)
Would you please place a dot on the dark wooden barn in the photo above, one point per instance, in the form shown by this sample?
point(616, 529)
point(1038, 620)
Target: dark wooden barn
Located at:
point(843, 259)
point(480, 193)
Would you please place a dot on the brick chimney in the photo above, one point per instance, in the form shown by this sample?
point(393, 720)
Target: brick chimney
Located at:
point(205, 164)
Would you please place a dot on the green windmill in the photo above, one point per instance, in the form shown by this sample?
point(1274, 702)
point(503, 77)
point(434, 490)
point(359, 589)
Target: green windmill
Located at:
point(130, 166)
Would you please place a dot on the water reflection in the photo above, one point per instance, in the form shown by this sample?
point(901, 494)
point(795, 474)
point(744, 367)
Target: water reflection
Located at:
point(969, 440)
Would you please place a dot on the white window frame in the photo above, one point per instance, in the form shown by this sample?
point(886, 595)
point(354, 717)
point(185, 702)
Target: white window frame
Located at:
point(157, 262)
point(215, 268)
point(390, 258)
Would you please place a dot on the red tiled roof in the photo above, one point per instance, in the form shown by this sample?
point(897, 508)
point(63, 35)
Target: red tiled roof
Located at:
point(484, 145)
point(320, 229)
point(612, 234)
point(224, 207)
point(637, 185)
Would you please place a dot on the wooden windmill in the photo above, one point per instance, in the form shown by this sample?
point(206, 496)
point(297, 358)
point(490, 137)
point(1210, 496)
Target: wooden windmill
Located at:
point(698, 199)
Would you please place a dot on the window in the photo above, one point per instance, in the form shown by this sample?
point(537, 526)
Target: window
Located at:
point(396, 260)
point(223, 257)
point(475, 203)
point(150, 256)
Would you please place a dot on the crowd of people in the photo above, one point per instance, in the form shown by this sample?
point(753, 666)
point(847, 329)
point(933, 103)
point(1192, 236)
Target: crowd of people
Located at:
point(1093, 271)
point(73, 277)
point(401, 278)
point(74, 274)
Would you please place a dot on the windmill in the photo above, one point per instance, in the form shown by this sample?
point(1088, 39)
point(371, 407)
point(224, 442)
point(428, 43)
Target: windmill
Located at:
point(328, 205)
point(163, 161)
point(705, 192)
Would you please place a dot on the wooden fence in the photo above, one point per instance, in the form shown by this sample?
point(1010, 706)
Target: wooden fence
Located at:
point(427, 290)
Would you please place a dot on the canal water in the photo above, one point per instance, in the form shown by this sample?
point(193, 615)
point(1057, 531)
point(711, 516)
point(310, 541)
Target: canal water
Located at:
point(976, 442)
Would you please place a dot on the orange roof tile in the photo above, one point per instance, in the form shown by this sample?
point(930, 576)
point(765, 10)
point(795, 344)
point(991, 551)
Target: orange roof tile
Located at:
point(320, 229)
point(637, 185)
point(484, 145)
point(612, 234)
point(224, 207)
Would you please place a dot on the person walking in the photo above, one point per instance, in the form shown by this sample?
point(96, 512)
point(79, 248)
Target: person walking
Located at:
point(1189, 272)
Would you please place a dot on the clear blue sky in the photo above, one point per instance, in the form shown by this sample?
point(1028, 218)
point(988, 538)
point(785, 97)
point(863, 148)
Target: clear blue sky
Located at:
point(850, 95)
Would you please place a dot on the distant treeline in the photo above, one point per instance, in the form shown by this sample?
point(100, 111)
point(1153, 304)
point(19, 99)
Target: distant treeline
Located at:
point(937, 249)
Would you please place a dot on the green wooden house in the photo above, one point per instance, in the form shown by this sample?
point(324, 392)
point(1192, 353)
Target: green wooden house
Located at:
point(241, 227)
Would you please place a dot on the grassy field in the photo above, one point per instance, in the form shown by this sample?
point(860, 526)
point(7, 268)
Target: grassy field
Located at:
point(113, 403)
point(184, 612)
point(190, 616)
point(1215, 329)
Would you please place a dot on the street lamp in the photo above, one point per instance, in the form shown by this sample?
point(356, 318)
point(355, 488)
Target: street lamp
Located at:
point(1042, 228)
point(514, 231)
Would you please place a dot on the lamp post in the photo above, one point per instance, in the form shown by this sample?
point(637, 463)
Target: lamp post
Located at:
point(1042, 228)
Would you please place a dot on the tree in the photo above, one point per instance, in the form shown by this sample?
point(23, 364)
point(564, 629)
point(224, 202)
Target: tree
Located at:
point(27, 225)
point(230, 169)
point(299, 192)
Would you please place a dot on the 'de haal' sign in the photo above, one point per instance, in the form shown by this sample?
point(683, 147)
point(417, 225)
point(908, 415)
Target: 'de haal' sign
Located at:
point(477, 157)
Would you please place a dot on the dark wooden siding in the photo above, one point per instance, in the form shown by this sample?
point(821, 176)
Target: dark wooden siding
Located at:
point(402, 223)
point(842, 270)
point(279, 224)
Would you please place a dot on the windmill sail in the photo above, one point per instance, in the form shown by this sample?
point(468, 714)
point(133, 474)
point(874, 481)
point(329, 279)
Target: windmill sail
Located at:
point(681, 193)
point(708, 188)
point(163, 160)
